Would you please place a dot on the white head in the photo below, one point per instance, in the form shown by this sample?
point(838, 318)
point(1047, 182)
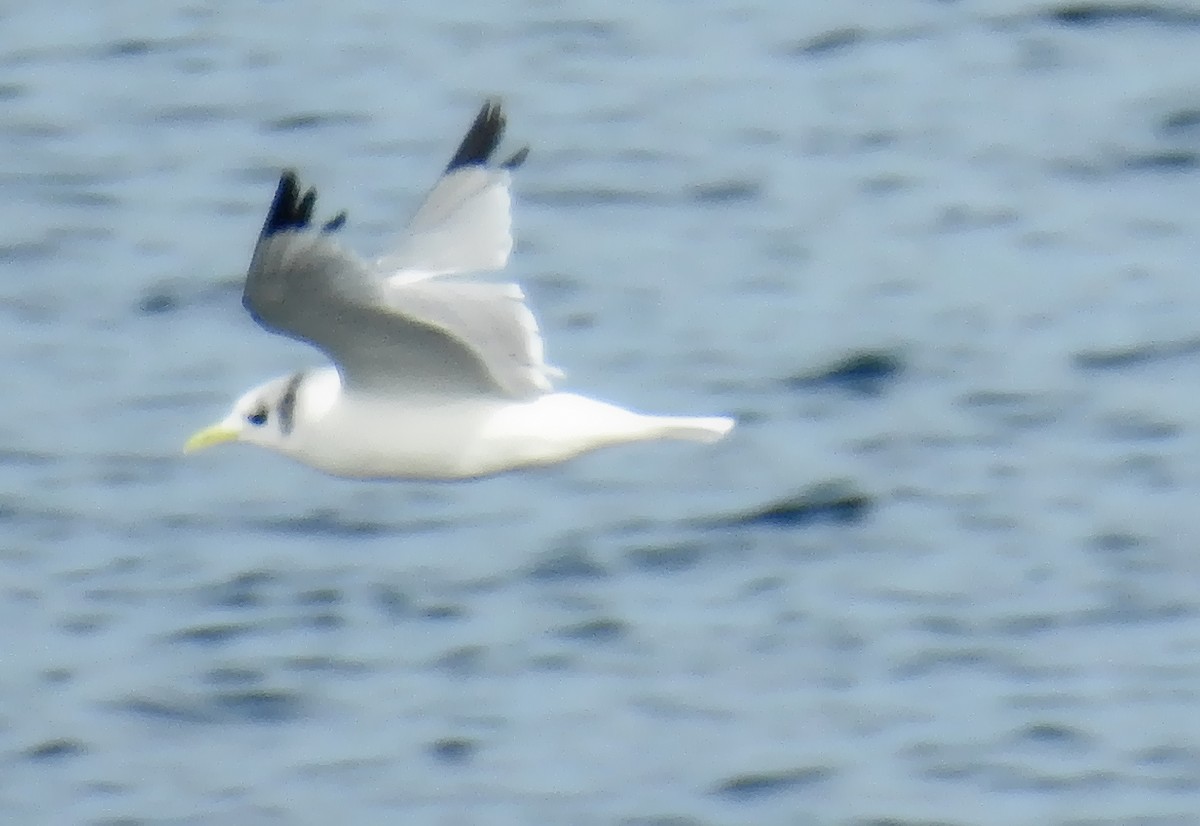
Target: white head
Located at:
point(263, 416)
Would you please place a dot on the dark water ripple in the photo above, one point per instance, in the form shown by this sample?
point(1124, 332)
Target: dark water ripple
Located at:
point(835, 502)
point(867, 373)
point(673, 558)
point(1101, 14)
point(230, 706)
point(571, 563)
point(827, 43)
point(57, 749)
point(747, 787)
point(1137, 354)
point(453, 751)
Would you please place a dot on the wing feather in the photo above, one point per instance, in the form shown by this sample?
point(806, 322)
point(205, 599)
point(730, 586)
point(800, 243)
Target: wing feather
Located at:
point(491, 320)
point(464, 224)
point(385, 330)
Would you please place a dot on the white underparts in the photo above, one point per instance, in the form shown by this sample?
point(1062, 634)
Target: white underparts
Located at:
point(427, 436)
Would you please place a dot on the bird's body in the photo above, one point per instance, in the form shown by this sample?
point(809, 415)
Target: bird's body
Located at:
point(433, 377)
point(433, 436)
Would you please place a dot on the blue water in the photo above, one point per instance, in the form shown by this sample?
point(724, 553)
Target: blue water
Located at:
point(940, 260)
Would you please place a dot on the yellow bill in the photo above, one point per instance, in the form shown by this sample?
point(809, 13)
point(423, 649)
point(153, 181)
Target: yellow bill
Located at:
point(210, 436)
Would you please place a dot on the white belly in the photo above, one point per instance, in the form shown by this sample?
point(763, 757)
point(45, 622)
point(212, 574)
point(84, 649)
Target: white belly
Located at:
point(440, 437)
point(446, 438)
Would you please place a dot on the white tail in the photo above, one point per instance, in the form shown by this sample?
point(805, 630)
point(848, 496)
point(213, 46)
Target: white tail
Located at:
point(705, 429)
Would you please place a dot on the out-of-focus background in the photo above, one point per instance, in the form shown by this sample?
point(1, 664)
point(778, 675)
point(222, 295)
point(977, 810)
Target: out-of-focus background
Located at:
point(939, 258)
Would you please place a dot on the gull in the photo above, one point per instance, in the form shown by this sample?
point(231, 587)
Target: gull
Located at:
point(433, 376)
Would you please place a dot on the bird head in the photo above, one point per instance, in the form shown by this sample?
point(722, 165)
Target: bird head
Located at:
point(262, 416)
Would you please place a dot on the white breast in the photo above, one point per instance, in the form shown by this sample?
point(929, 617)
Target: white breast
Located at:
point(435, 437)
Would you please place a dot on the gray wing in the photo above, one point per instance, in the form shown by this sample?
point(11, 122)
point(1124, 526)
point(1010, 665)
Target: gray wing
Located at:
point(464, 224)
point(438, 336)
point(490, 320)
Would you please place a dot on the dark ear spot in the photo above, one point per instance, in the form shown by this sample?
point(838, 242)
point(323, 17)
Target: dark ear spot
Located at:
point(287, 403)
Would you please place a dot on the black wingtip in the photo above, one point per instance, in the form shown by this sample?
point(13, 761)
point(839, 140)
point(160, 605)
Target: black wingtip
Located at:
point(282, 214)
point(517, 158)
point(304, 209)
point(482, 138)
point(292, 211)
point(335, 223)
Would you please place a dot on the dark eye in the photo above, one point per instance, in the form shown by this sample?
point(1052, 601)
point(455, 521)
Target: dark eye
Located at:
point(258, 418)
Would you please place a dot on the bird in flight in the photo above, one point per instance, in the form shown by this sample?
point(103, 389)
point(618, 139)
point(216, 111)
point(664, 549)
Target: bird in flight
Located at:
point(433, 376)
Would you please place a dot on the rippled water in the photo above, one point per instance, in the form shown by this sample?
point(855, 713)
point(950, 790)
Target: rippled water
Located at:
point(939, 258)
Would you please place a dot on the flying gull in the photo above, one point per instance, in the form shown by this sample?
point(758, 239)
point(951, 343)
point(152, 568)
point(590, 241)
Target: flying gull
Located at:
point(432, 376)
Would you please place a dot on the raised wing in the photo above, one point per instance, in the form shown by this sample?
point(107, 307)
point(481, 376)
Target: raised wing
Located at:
point(438, 336)
point(465, 222)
